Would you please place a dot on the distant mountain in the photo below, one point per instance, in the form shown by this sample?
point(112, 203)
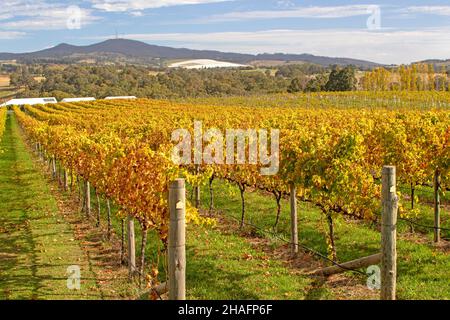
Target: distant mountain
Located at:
point(140, 50)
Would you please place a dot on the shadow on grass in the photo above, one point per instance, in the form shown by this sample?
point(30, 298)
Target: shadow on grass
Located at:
point(17, 240)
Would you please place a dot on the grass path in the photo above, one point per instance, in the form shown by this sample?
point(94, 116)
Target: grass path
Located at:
point(37, 244)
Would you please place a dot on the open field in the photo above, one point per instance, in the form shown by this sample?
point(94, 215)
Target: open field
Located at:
point(7, 93)
point(4, 80)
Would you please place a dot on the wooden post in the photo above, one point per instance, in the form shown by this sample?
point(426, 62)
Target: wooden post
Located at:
point(80, 192)
point(39, 150)
point(66, 180)
point(389, 234)
point(143, 247)
point(108, 208)
point(122, 243)
point(71, 180)
point(197, 188)
point(354, 264)
point(99, 209)
point(177, 244)
point(197, 197)
point(131, 248)
point(87, 197)
point(294, 223)
point(437, 204)
point(54, 167)
point(211, 194)
point(59, 172)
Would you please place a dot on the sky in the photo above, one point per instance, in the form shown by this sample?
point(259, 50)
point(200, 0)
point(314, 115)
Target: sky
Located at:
point(390, 32)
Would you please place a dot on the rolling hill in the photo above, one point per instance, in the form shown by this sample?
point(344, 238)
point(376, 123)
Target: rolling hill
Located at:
point(136, 50)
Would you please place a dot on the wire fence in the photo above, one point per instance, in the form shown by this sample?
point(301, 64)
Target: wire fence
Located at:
point(314, 252)
point(319, 254)
point(415, 223)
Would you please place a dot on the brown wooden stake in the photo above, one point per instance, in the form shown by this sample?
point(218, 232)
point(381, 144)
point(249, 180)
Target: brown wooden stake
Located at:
point(354, 264)
point(242, 191)
point(197, 189)
point(332, 244)
point(99, 211)
point(131, 248)
point(294, 221)
point(122, 244)
point(108, 208)
point(389, 234)
point(437, 205)
point(71, 180)
point(143, 247)
point(87, 198)
point(177, 244)
point(54, 168)
point(211, 194)
point(66, 180)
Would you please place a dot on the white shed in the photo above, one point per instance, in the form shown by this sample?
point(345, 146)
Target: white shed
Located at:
point(28, 101)
point(121, 98)
point(78, 99)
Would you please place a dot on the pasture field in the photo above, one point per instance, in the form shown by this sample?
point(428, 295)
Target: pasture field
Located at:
point(4, 80)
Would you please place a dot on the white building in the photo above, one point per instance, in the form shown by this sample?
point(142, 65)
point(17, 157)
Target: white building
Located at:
point(78, 99)
point(121, 98)
point(28, 101)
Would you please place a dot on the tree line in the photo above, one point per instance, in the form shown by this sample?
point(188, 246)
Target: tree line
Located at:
point(100, 81)
point(415, 77)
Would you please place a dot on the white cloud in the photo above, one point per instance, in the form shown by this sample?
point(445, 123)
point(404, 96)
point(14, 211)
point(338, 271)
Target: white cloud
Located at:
point(435, 10)
point(136, 13)
point(52, 20)
point(24, 8)
point(285, 4)
point(8, 35)
point(387, 47)
point(297, 12)
point(137, 5)
point(39, 15)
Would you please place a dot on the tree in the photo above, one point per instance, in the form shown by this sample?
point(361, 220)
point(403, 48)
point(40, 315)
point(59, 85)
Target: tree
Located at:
point(342, 80)
point(295, 86)
point(317, 83)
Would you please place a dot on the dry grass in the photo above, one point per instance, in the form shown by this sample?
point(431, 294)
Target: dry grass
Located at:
point(39, 79)
point(4, 80)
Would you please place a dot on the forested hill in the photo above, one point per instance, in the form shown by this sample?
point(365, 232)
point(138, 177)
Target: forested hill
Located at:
point(140, 50)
